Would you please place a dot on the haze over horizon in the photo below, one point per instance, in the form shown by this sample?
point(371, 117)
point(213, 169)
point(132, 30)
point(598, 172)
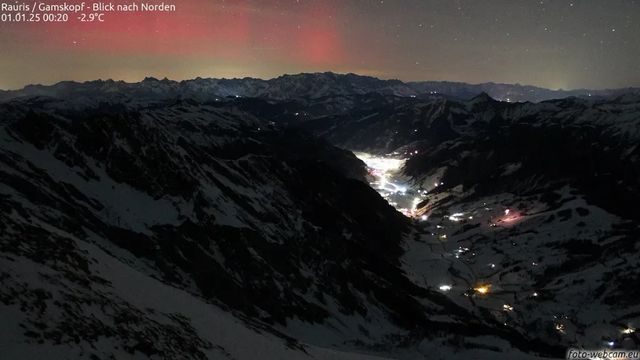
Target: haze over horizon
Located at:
point(559, 44)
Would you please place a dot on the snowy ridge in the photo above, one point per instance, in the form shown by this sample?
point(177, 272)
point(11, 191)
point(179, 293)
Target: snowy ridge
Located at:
point(301, 86)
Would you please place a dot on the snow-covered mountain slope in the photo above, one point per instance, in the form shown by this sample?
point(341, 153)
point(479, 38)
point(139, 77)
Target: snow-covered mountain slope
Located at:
point(534, 204)
point(383, 127)
point(194, 230)
point(562, 272)
point(567, 172)
point(213, 200)
point(76, 300)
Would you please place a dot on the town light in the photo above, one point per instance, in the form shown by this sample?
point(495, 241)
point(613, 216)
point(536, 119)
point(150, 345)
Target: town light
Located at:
point(482, 289)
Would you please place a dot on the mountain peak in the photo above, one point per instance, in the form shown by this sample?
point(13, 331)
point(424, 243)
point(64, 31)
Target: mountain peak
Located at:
point(483, 97)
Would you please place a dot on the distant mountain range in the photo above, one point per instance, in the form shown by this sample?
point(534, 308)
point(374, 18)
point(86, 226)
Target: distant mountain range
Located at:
point(306, 85)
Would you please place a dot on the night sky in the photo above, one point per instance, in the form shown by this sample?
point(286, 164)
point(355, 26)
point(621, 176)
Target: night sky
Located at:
point(550, 43)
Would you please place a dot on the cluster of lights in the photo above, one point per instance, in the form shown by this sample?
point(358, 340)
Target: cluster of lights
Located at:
point(510, 216)
point(460, 250)
point(384, 168)
point(381, 164)
point(482, 289)
point(628, 331)
point(456, 217)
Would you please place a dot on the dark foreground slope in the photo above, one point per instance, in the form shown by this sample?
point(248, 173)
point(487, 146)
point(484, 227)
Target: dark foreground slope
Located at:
point(185, 230)
point(271, 223)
